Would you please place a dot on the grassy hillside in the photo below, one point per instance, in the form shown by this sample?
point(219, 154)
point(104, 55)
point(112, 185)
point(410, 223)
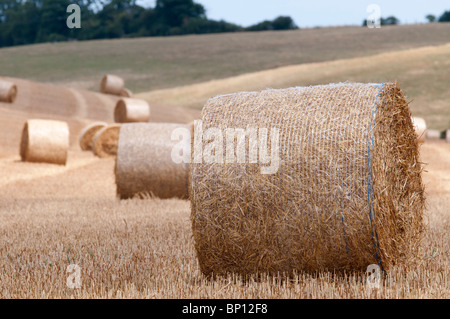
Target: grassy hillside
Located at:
point(155, 63)
point(423, 74)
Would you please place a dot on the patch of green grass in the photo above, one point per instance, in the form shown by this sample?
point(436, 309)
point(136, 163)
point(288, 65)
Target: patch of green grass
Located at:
point(155, 63)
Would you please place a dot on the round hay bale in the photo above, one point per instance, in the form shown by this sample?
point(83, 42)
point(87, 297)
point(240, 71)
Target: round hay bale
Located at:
point(45, 141)
point(104, 143)
point(420, 127)
point(344, 192)
point(112, 84)
point(433, 134)
point(8, 91)
point(126, 93)
point(145, 165)
point(131, 110)
point(447, 136)
point(87, 135)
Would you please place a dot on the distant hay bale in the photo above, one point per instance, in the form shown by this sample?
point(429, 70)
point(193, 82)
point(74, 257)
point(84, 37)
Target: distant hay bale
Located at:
point(420, 127)
point(447, 136)
point(347, 192)
point(144, 163)
point(126, 93)
point(433, 134)
point(87, 135)
point(8, 91)
point(112, 84)
point(104, 143)
point(45, 141)
point(131, 110)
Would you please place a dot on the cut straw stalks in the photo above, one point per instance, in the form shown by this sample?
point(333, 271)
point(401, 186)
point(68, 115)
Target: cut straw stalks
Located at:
point(144, 164)
point(131, 110)
point(87, 135)
point(45, 141)
point(104, 143)
point(8, 91)
point(420, 127)
point(348, 192)
point(112, 84)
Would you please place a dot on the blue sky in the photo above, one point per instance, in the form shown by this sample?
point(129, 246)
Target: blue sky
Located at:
point(317, 12)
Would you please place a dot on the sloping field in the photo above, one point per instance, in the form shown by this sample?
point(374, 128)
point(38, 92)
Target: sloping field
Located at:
point(77, 107)
point(423, 74)
point(54, 216)
point(155, 63)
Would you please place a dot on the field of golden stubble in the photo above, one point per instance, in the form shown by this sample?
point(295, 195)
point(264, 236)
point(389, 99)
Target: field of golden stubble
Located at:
point(52, 217)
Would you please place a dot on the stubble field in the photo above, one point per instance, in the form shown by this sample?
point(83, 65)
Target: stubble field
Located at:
point(52, 217)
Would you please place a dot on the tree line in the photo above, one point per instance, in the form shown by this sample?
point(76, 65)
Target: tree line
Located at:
point(391, 20)
point(35, 21)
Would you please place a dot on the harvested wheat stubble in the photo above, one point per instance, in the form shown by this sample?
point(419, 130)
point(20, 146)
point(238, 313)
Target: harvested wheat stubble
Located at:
point(45, 141)
point(8, 91)
point(144, 164)
point(348, 192)
point(112, 84)
point(105, 141)
point(126, 93)
point(131, 110)
point(87, 135)
point(420, 127)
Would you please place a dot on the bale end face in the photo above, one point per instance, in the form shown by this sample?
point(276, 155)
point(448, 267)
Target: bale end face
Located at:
point(126, 93)
point(112, 84)
point(87, 135)
point(45, 141)
point(348, 192)
point(131, 111)
point(8, 91)
point(105, 141)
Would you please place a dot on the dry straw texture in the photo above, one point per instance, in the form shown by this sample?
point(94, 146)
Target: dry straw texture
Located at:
point(88, 133)
point(144, 163)
point(420, 127)
point(131, 110)
point(8, 91)
point(112, 84)
point(45, 141)
point(348, 192)
point(104, 143)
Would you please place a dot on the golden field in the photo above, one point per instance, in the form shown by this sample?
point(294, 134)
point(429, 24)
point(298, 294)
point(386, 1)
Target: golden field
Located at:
point(53, 216)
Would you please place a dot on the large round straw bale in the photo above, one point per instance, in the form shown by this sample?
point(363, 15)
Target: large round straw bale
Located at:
point(447, 136)
point(344, 190)
point(145, 164)
point(420, 127)
point(8, 91)
point(126, 93)
point(433, 134)
point(87, 135)
point(112, 84)
point(104, 143)
point(45, 141)
point(131, 110)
